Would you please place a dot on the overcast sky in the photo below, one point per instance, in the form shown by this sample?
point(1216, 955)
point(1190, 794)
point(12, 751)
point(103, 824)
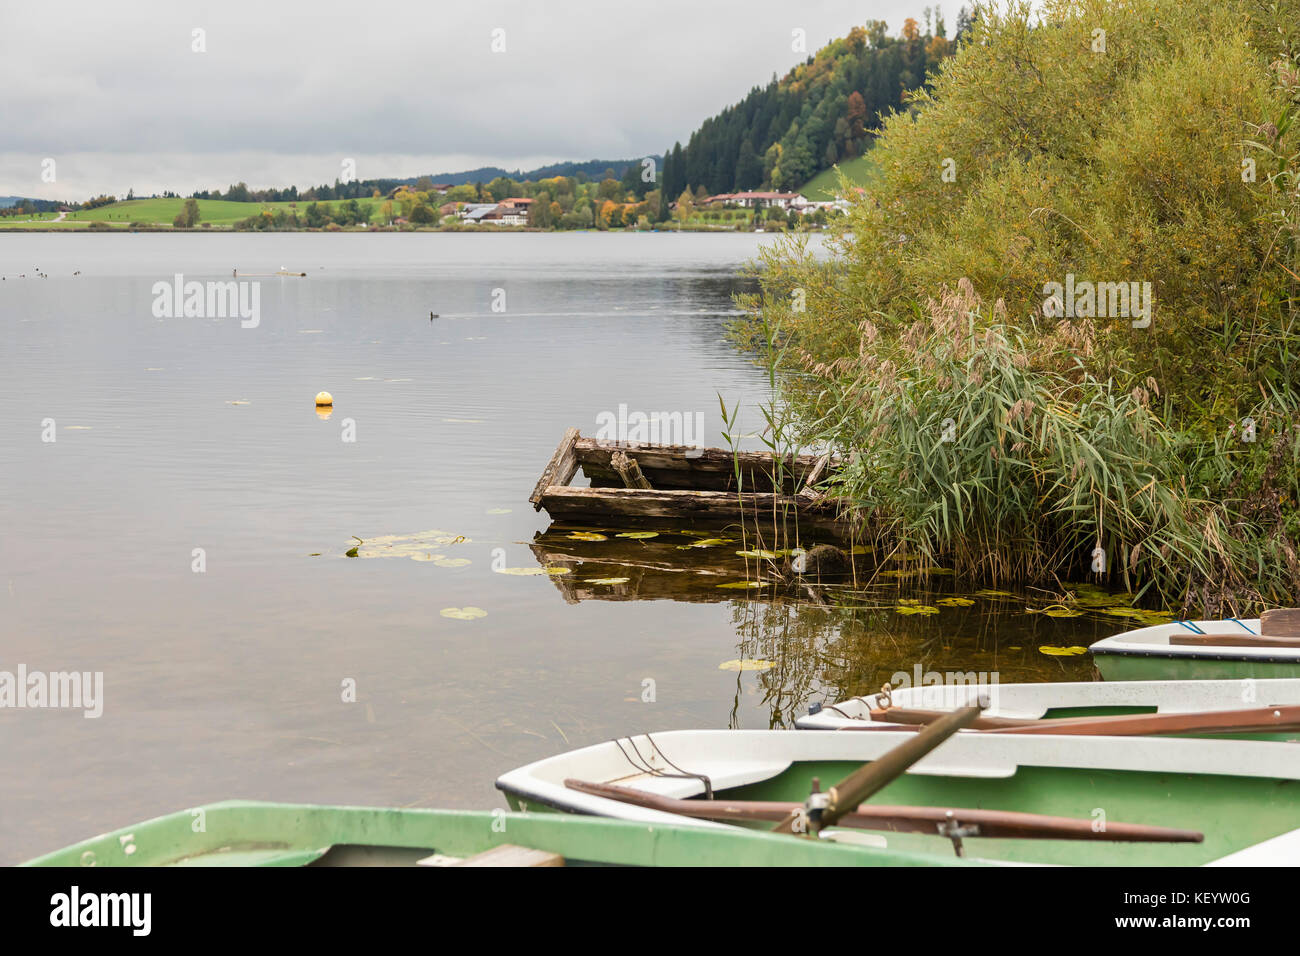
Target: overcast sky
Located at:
point(288, 89)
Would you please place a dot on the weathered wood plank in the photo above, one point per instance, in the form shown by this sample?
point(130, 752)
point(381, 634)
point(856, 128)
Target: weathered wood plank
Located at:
point(814, 475)
point(629, 471)
point(1280, 622)
point(682, 466)
point(678, 505)
point(559, 470)
point(507, 854)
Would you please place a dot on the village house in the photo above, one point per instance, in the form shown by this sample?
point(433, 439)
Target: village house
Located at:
point(508, 212)
point(768, 200)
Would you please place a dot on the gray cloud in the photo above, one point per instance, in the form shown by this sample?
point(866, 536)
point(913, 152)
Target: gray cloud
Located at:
point(287, 90)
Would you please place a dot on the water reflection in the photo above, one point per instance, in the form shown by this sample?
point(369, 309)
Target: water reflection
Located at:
point(824, 641)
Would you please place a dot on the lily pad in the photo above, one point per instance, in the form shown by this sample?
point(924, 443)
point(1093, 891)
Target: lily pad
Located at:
point(637, 535)
point(606, 580)
point(587, 536)
point(521, 572)
point(916, 609)
point(747, 664)
point(954, 602)
point(463, 613)
point(740, 585)
point(757, 553)
point(404, 545)
point(1053, 650)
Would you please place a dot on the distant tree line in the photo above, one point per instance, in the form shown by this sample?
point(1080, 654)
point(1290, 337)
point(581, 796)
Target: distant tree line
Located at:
point(822, 112)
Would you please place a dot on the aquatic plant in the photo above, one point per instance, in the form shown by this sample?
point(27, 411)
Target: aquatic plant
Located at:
point(987, 424)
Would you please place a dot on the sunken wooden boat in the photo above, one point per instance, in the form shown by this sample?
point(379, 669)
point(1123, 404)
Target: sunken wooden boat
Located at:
point(1255, 709)
point(645, 483)
point(246, 833)
point(992, 799)
point(1205, 650)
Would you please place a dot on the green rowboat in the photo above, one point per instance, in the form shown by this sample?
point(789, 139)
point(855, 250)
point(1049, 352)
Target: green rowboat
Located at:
point(243, 833)
point(1187, 650)
point(1242, 797)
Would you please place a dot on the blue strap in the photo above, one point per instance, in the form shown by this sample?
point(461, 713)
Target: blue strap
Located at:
point(1235, 621)
point(1191, 627)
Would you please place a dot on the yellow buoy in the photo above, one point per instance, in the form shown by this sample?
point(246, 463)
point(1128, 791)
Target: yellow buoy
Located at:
point(324, 398)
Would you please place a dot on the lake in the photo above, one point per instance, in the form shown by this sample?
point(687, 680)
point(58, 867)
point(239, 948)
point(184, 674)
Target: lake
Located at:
point(185, 532)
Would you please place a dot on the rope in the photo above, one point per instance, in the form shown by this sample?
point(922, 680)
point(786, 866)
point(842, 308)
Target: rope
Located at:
point(645, 766)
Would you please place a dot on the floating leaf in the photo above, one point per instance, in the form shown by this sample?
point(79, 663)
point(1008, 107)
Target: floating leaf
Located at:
point(708, 543)
point(739, 585)
point(1055, 610)
point(1055, 651)
point(990, 593)
point(862, 549)
point(757, 553)
point(521, 572)
point(638, 535)
point(443, 561)
point(606, 580)
point(916, 609)
point(498, 511)
point(747, 664)
point(463, 613)
point(587, 536)
point(405, 545)
point(954, 602)
point(556, 571)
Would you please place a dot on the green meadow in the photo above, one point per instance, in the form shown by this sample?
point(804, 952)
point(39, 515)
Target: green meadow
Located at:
point(161, 212)
point(859, 171)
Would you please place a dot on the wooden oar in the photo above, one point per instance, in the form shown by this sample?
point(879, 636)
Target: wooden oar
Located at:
point(911, 715)
point(877, 774)
point(901, 819)
point(1251, 720)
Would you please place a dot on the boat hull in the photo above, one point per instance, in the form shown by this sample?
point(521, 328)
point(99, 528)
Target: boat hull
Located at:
point(244, 833)
point(1147, 654)
point(1127, 667)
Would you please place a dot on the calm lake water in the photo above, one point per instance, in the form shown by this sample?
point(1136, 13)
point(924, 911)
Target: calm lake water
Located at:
point(176, 434)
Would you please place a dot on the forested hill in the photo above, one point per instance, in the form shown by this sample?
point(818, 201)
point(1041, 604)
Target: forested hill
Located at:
point(818, 114)
point(592, 168)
